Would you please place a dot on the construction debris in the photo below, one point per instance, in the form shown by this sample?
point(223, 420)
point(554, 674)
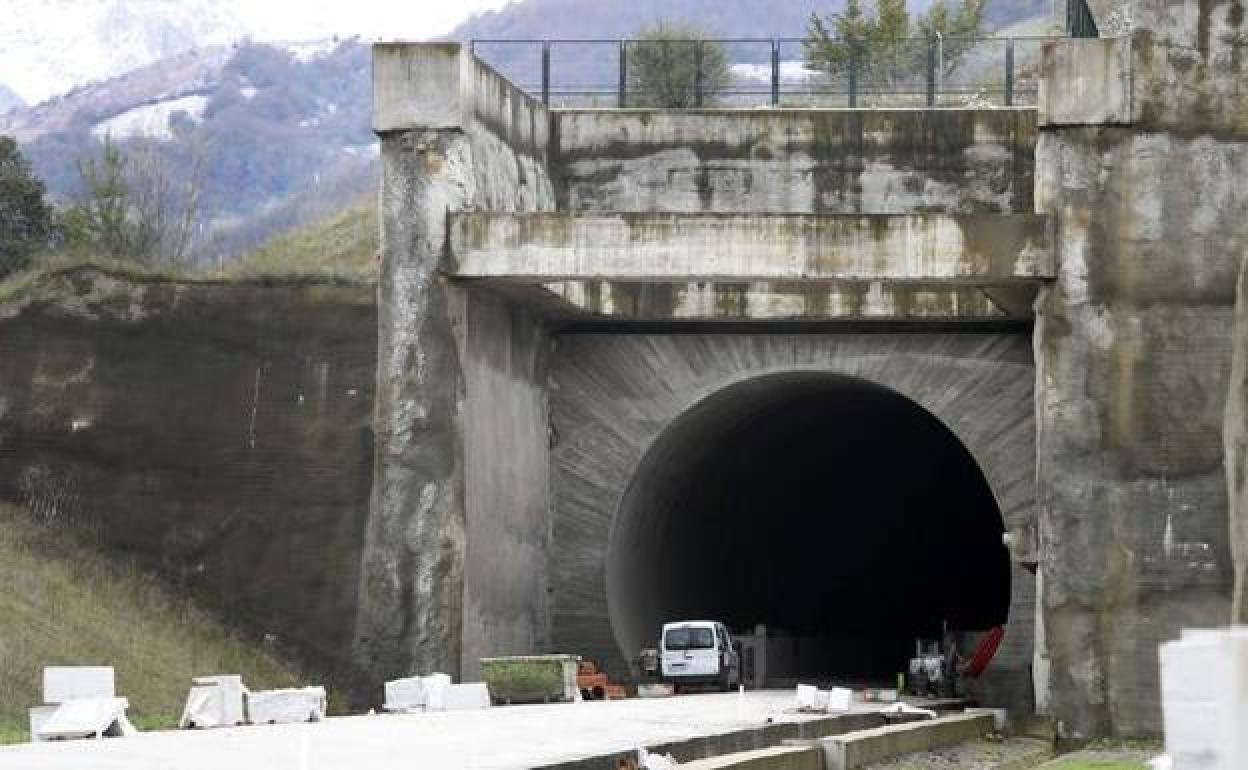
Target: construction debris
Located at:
point(812, 699)
point(594, 684)
point(906, 708)
point(655, 690)
point(648, 761)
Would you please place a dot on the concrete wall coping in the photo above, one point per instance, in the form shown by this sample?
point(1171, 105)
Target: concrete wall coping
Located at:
point(444, 86)
point(766, 110)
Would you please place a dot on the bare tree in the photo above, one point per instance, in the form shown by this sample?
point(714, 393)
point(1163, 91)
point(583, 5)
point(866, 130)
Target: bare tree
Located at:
point(136, 206)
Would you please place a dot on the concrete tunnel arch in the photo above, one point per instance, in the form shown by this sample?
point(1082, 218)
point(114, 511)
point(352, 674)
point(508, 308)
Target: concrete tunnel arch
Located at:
point(831, 508)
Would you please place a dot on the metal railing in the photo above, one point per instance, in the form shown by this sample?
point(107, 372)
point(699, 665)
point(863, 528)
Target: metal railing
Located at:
point(751, 72)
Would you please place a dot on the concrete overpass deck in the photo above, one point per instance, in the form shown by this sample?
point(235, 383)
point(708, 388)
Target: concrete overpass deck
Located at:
point(968, 249)
point(555, 735)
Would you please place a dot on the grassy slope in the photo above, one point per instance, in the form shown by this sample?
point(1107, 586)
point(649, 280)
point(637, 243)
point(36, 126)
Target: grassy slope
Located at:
point(62, 604)
point(343, 247)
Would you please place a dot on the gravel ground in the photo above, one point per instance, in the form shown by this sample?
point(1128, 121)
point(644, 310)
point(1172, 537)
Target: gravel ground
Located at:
point(985, 754)
point(1113, 758)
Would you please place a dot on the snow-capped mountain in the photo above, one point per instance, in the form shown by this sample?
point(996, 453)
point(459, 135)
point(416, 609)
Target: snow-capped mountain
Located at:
point(9, 99)
point(49, 47)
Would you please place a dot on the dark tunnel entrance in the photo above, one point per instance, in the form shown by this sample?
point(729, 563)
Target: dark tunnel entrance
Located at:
point(840, 514)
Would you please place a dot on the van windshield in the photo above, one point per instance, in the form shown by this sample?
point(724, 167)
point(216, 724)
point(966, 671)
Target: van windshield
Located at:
point(689, 639)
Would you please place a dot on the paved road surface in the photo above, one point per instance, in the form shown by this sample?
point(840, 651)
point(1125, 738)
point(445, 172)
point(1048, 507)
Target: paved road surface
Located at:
point(501, 737)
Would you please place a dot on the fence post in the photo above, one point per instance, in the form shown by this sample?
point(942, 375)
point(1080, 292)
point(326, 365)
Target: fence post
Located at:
point(853, 73)
point(622, 94)
point(775, 74)
point(697, 78)
point(1009, 72)
point(931, 73)
point(546, 72)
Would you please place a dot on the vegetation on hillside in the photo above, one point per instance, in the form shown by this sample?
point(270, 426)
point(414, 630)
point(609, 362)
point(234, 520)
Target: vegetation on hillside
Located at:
point(133, 207)
point(275, 129)
point(62, 604)
point(25, 218)
point(343, 247)
point(135, 219)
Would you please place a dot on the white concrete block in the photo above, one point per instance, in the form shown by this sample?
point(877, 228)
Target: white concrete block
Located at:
point(39, 715)
point(807, 697)
point(1234, 722)
point(839, 699)
point(86, 718)
point(435, 687)
point(405, 694)
point(466, 697)
point(65, 683)
point(214, 701)
point(1204, 691)
point(303, 704)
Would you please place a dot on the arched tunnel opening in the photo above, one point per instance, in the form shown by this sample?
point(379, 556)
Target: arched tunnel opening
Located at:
point(839, 514)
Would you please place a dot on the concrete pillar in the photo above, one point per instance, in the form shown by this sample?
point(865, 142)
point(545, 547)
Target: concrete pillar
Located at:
point(411, 592)
point(1235, 439)
point(455, 137)
point(1139, 163)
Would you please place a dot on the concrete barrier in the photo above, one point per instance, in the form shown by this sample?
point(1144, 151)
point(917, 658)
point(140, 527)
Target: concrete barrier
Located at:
point(856, 749)
point(775, 758)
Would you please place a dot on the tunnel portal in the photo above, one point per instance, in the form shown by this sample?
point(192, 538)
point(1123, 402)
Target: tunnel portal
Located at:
point(842, 515)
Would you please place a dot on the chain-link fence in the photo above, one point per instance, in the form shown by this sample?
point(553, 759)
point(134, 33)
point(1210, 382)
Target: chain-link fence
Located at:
point(780, 72)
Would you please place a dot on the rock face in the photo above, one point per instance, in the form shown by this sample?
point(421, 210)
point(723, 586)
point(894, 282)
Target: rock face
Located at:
point(1133, 352)
point(218, 434)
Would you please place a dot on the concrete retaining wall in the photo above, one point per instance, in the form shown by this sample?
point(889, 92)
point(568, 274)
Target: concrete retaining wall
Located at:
point(506, 454)
point(795, 161)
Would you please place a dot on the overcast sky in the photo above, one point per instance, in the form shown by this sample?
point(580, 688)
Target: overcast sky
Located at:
point(386, 19)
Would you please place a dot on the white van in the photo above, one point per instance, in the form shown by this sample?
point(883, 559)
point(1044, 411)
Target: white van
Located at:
point(699, 652)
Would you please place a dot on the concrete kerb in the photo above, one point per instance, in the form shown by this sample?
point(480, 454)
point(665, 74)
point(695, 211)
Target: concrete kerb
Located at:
point(749, 740)
point(859, 748)
point(774, 758)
